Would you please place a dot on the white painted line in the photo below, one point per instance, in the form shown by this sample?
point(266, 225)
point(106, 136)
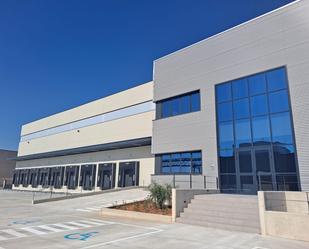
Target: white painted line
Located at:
point(2, 247)
point(83, 210)
point(65, 226)
point(78, 224)
point(122, 239)
point(14, 233)
point(32, 230)
point(93, 223)
point(52, 229)
point(94, 209)
point(3, 238)
point(258, 247)
point(103, 221)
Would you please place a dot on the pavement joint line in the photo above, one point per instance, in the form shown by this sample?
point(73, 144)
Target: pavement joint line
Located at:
point(123, 239)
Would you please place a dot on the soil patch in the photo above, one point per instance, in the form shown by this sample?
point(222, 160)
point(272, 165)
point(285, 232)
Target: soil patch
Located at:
point(145, 207)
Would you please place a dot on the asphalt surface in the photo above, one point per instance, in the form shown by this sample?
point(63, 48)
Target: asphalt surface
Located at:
point(62, 224)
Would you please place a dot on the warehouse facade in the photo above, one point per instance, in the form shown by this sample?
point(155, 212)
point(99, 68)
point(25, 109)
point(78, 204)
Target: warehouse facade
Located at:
point(100, 145)
point(229, 112)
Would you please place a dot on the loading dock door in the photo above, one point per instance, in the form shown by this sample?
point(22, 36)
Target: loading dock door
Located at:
point(106, 176)
point(71, 176)
point(57, 177)
point(128, 174)
point(34, 175)
point(16, 177)
point(45, 177)
point(87, 180)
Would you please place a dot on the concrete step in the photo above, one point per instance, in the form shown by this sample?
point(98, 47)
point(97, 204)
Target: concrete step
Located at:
point(235, 221)
point(218, 225)
point(227, 214)
point(222, 203)
point(228, 198)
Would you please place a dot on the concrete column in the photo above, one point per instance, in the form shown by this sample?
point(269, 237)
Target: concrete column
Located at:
point(262, 209)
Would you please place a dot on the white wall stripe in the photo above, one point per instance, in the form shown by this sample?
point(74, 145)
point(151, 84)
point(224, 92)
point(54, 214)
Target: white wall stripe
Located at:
point(121, 113)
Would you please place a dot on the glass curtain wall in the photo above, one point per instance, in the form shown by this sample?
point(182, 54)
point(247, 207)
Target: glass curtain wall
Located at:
point(255, 136)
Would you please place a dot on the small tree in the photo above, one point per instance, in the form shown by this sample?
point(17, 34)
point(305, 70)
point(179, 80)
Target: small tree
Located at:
point(159, 194)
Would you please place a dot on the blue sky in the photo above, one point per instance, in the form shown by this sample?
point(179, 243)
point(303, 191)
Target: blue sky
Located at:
point(55, 55)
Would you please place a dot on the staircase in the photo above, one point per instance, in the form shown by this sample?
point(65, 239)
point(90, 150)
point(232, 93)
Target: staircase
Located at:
point(223, 211)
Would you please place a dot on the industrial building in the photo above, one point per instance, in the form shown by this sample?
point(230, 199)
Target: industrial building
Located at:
point(231, 111)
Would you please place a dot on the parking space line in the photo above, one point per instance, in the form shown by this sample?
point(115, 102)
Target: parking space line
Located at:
point(78, 224)
point(123, 239)
point(65, 226)
point(14, 233)
point(93, 222)
point(32, 230)
point(49, 228)
point(2, 238)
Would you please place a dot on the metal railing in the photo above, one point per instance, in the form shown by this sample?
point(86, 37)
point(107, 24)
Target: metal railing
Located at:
point(187, 181)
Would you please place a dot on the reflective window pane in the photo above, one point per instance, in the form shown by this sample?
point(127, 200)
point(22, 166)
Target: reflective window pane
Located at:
point(261, 130)
point(225, 111)
point(175, 103)
point(226, 135)
point(257, 84)
point(240, 88)
point(287, 182)
point(166, 109)
point(276, 79)
point(224, 92)
point(228, 183)
point(259, 105)
point(245, 161)
point(175, 163)
point(185, 104)
point(197, 162)
point(284, 158)
point(281, 128)
point(186, 162)
point(278, 101)
point(242, 133)
point(195, 102)
point(227, 161)
point(241, 108)
point(246, 184)
point(262, 160)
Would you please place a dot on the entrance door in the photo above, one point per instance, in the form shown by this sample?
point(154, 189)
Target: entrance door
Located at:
point(265, 171)
point(106, 176)
point(255, 169)
point(128, 174)
point(87, 175)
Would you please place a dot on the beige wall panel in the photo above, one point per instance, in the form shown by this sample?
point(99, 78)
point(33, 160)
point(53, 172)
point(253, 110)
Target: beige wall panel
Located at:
point(131, 127)
point(116, 101)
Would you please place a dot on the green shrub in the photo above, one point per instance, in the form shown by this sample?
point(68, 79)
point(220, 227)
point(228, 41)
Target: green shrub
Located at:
point(160, 194)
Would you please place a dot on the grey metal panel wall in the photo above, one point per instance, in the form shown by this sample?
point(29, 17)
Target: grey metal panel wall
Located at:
point(275, 39)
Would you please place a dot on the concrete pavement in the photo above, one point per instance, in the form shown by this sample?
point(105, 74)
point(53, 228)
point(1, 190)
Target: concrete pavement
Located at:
point(58, 225)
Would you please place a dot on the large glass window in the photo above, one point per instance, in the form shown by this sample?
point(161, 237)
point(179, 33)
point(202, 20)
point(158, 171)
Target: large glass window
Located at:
point(182, 163)
point(224, 92)
point(179, 105)
point(255, 131)
point(259, 105)
point(225, 111)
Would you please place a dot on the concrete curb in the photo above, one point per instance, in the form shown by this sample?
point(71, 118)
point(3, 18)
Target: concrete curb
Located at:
point(73, 196)
point(136, 215)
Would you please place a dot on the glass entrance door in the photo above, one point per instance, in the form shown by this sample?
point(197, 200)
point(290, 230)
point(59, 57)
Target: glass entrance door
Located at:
point(255, 170)
point(265, 171)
